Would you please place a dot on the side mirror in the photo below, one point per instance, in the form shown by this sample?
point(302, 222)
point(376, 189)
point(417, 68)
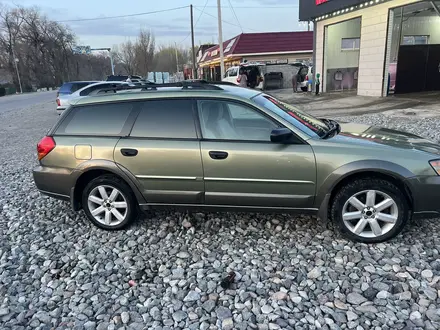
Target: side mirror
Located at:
point(281, 135)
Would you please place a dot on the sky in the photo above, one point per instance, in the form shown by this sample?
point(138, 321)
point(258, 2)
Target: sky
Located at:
point(170, 27)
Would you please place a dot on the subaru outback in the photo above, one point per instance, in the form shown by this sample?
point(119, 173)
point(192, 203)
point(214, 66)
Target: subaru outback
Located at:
point(219, 147)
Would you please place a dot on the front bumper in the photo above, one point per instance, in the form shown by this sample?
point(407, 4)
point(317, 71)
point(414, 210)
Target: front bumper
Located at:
point(425, 191)
point(54, 182)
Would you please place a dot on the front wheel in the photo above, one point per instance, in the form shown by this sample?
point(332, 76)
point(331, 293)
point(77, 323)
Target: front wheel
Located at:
point(109, 202)
point(370, 210)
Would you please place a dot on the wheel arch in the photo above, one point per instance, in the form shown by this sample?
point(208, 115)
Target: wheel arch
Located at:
point(391, 172)
point(89, 170)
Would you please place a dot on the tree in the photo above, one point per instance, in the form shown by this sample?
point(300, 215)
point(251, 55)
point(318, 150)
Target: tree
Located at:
point(144, 51)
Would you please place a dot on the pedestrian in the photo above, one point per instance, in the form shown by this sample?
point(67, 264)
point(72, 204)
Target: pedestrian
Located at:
point(242, 79)
point(318, 82)
point(295, 82)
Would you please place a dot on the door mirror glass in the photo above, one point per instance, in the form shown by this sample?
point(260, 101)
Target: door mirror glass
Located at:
point(281, 135)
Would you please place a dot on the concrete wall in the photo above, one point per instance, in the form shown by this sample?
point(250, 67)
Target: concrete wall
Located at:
point(334, 55)
point(414, 26)
point(373, 44)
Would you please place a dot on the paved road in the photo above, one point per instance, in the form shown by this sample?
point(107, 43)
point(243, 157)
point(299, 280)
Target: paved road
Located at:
point(14, 102)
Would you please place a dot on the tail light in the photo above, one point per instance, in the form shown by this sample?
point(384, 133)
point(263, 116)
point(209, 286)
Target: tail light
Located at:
point(58, 102)
point(307, 77)
point(46, 145)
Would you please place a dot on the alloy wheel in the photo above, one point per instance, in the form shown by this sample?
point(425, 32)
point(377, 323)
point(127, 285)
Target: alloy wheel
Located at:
point(370, 213)
point(107, 205)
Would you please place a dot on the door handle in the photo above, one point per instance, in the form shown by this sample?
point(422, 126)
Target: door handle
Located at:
point(218, 154)
point(129, 152)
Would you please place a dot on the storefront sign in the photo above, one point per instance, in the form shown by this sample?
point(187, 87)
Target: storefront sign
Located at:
point(214, 52)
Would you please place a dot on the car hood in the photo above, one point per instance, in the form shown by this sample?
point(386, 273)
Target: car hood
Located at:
point(372, 135)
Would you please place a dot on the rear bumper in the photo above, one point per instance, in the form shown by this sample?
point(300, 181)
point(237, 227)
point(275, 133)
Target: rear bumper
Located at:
point(53, 182)
point(425, 192)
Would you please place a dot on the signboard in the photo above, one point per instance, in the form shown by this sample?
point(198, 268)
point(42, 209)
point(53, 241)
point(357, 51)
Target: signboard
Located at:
point(81, 50)
point(310, 9)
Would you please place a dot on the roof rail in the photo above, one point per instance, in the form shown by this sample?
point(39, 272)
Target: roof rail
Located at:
point(149, 86)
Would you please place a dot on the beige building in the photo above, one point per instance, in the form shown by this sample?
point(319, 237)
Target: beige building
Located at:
point(376, 46)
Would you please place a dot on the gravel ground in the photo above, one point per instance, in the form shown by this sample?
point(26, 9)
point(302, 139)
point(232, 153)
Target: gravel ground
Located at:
point(59, 271)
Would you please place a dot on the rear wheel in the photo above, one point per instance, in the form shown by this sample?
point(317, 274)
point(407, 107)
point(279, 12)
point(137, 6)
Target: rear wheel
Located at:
point(304, 89)
point(370, 210)
point(109, 202)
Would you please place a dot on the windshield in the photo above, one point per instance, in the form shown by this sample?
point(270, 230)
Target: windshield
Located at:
point(307, 123)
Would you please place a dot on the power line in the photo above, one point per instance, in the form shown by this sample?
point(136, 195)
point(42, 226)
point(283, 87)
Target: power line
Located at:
point(253, 7)
point(226, 21)
point(121, 16)
point(232, 8)
point(198, 19)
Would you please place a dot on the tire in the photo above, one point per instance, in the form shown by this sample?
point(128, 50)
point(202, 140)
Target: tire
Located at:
point(106, 212)
point(304, 89)
point(396, 215)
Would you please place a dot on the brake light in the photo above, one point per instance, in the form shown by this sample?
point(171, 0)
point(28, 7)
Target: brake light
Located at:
point(307, 77)
point(46, 145)
point(435, 165)
point(58, 102)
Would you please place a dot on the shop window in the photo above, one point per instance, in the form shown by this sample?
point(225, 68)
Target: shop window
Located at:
point(415, 40)
point(350, 43)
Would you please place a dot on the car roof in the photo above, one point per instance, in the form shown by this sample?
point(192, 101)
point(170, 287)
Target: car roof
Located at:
point(97, 83)
point(226, 91)
point(81, 82)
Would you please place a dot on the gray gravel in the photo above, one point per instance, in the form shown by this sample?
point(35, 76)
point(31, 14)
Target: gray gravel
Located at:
point(59, 271)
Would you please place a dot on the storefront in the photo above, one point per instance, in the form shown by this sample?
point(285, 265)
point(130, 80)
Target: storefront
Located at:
point(277, 47)
point(375, 47)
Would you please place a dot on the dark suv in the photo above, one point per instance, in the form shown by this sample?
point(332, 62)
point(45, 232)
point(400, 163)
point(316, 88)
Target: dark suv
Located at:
point(221, 147)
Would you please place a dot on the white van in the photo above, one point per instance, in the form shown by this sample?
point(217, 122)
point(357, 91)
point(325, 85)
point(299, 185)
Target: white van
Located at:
point(232, 73)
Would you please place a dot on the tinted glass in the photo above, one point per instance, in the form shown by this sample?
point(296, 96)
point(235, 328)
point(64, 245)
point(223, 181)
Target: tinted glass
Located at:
point(303, 121)
point(165, 119)
point(69, 88)
point(96, 119)
point(66, 88)
point(223, 120)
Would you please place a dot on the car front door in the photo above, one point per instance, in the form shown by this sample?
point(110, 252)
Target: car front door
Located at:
point(163, 152)
point(242, 167)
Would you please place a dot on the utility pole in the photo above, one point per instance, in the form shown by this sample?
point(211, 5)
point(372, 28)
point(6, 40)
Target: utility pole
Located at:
point(16, 69)
point(220, 39)
point(193, 51)
point(177, 60)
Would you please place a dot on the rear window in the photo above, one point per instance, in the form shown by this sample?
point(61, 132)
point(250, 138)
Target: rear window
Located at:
point(165, 119)
point(96, 119)
point(69, 88)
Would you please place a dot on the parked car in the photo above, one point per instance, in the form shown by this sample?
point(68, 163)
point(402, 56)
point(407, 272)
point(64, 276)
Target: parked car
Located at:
point(231, 75)
point(67, 89)
point(221, 147)
point(63, 100)
point(123, 77)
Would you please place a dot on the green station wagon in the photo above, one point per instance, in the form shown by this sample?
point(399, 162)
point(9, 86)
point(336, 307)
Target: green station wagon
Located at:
point(219, 147)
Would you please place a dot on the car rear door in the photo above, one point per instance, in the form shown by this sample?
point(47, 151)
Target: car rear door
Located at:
point(242, 167)
point(163, 152)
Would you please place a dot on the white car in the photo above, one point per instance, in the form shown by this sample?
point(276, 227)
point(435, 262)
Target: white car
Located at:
point(63, 100)
point(231, 74)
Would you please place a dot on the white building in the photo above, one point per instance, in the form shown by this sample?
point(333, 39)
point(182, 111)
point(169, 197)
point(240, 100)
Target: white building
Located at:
point(376, 45)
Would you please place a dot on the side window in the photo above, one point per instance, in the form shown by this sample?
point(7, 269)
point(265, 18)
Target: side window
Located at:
point(227, 73)
point(227, 120)
point(233, 72)
point(166, 119)
point(96, 119)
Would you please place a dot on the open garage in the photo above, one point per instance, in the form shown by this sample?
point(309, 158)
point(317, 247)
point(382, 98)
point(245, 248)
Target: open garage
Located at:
point(376, 47)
